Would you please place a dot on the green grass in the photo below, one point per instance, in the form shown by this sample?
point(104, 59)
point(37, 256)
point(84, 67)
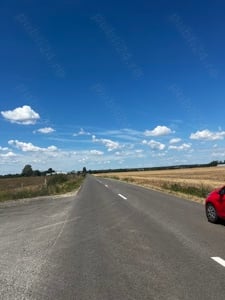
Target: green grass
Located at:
point(201, 191)
point(129, 179)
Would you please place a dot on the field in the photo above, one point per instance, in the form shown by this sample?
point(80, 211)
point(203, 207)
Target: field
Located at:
point(194, 183)
point(25, 187)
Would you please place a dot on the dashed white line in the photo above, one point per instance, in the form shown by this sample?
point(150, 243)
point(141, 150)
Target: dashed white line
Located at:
point(106, 185)
point(219, 260)
point(122, 196)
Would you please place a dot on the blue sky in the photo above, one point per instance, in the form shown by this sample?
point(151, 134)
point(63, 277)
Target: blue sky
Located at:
point(111, 84)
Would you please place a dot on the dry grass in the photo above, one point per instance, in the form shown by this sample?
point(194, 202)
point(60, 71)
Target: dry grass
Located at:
point(194, 183)
point(18, 182)
point(25, 187)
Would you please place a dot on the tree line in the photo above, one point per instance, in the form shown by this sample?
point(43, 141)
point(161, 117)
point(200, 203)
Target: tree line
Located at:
point(28, 171)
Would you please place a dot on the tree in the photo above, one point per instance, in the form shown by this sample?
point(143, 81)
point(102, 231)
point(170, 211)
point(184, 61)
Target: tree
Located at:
point(50, 171)
point(84, 172)
point(37, 173)
point(213, 163)
point(27, 171)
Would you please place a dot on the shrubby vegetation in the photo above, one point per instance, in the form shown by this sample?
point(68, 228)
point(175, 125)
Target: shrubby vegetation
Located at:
point(36, 183)
point(201, 191)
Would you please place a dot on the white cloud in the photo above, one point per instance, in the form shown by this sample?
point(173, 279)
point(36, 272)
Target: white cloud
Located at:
point(109, 144)
point(218, 154)
point(29, 147)
point(139, 150)
point(123, 134)
point(50, 148)
point(81, 132)
point(158, 131)
point(154, 145)
point(21, 115)
point(8, 154)
point(4, 148)
point(96, 152)
point(118, 153)
point(139, 153)
point(175, 140)
point(124, 153)
point(207, 135)
point(46, 130)
point(158, 154)
point(92, 151)
point(181, 147)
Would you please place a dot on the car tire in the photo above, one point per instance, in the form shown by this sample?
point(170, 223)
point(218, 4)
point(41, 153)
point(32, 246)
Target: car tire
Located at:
point(211, 213)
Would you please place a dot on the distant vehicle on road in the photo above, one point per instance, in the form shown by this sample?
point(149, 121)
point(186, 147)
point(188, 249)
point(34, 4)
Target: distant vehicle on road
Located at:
point(215, 205)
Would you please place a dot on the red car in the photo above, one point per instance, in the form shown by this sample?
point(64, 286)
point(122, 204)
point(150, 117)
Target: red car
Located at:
point(215, 205)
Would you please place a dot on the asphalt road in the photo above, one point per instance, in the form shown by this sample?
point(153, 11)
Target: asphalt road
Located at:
point(110, 241)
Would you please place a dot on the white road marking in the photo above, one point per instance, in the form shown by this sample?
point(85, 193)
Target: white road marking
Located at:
point(56, 224)
point(219, 260)
point(106, 185)
point(122, 196)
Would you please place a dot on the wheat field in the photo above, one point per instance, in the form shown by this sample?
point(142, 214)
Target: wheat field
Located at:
point(207, 178)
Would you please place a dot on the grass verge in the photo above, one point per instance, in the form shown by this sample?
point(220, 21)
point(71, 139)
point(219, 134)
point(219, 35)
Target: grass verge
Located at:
point(196, 193)
point(20, 188)
point(200, 192)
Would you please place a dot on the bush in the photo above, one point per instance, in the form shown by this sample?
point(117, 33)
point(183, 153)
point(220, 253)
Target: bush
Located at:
point(56, 179)
point(190, 190)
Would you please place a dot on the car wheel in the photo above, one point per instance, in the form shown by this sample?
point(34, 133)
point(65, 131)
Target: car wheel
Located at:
point(211, 213)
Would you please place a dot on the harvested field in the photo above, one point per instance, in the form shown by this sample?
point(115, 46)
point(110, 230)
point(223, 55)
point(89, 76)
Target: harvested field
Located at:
point(194, 183)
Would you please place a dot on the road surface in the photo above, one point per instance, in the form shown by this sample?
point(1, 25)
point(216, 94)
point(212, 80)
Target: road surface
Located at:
point(112, 240)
